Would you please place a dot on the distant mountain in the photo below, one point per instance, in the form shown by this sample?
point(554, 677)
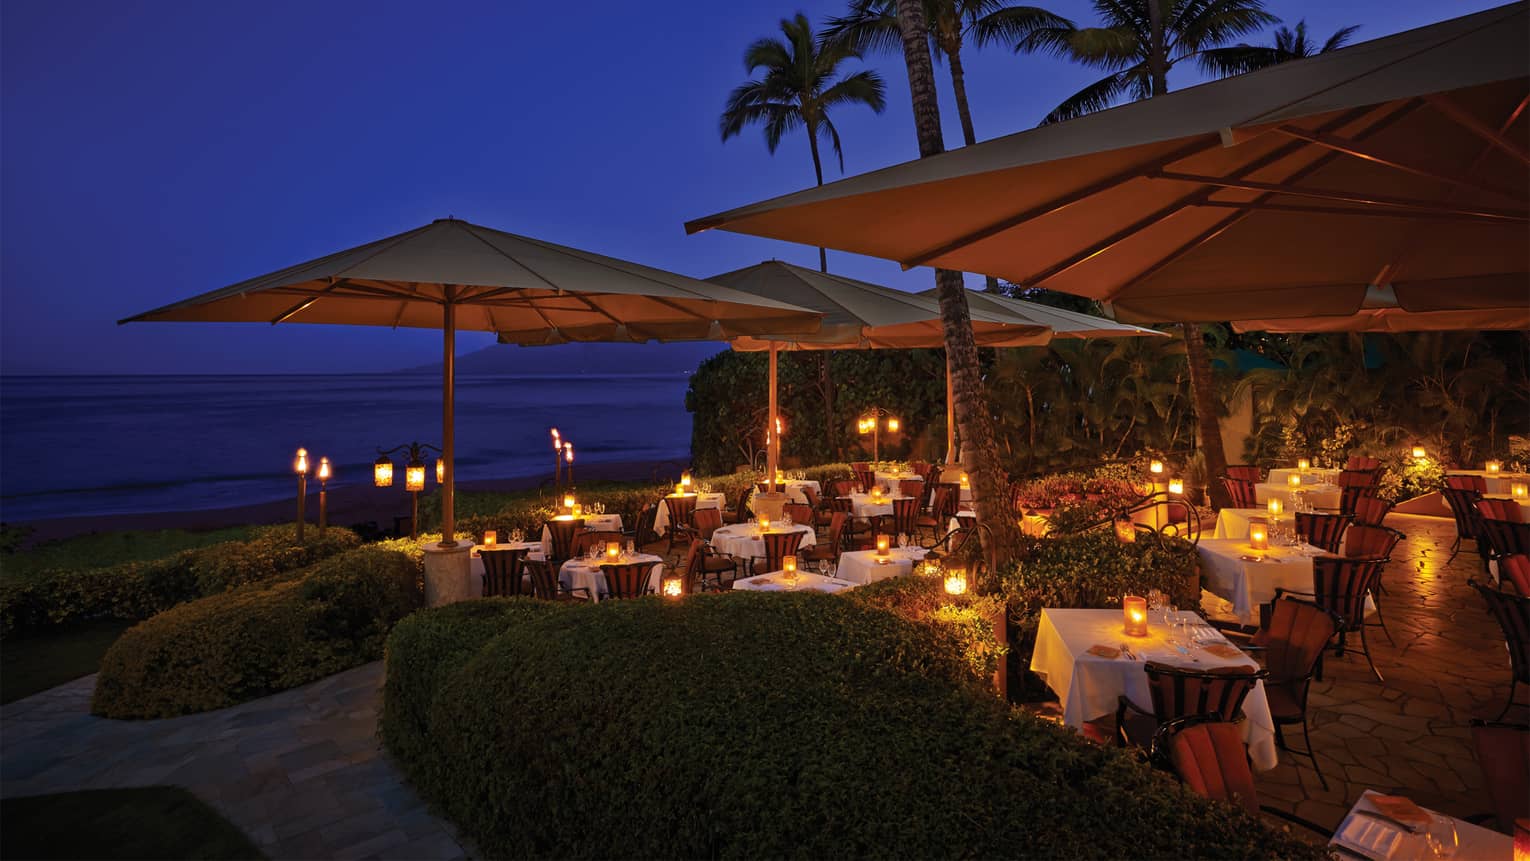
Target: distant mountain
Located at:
point(583, 359)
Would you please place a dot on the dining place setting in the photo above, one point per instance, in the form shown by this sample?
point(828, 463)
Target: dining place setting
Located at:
point(892, 556)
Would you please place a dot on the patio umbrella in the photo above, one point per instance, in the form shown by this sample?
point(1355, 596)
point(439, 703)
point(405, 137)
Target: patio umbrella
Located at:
point(1282, 194)
point(452, 275)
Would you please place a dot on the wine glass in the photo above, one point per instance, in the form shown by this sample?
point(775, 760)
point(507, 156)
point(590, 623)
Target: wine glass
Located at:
point(517, 536)
point(631, 547)
point(902, 540)
point(1441, 837)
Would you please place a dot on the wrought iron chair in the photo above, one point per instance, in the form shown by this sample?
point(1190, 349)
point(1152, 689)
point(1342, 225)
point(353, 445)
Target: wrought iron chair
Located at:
point(561, 535)
point(1513, 615)
point(1359, 477)
point(799, 513)
point(1240, 491)
point(942, 509)
point(1323, 531)
point(1371, 510)
point(1467, 482)
point(740, 512)
point(1463, 507)
point(854, 531)
point(1504, 537)
point(911, 487)
point(1292, 638)
point(627, 579)
point(1515, 570)
point(778, 546)
point(1500, 509)
point(828, 550)
point(951, 543)
point(545, 585)
point(644, 533)
point(822, 513)
point(680, 510)
point(1341, 584)
point(705, 567)
point(502, 572)
point(1246, 471)
point(904, 519)
point(1503, 752)
point(706, 521)
point(866, 478)
point(1350, 496)
point(1179, 692)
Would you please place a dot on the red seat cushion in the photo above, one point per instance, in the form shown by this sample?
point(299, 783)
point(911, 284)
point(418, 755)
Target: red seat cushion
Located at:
point(1210, 759)
point(1283, 701)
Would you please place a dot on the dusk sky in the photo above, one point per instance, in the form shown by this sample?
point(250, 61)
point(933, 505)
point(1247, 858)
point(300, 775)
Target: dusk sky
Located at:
point(156, 150)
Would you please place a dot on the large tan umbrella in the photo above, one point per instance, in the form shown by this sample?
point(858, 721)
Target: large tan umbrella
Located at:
point(1402, 162)
point(452, 275)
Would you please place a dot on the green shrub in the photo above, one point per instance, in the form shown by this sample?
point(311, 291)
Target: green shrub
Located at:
point(770, 725)
point(138, 590)
point(968, 620)
point(260, 638)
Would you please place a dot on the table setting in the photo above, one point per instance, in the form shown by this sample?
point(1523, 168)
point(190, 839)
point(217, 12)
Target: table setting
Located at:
point(867, 505)
point(1282, 475)
point(742, 540)
point(869, 566)
point(1391, 828)
point(583, 572)
point(703, 500)
point(803, 581)
point(1240, 572)
point(1309, 491)
point(1089, 661)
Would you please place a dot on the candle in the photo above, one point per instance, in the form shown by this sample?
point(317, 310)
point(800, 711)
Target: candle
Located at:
point(685, 480)
point(884, 543)
point(680, 490)
point(764, 523)
point(1276, 507)
point(1519, 490)
point(956, 582)
point(789, 564)
point(1176, 486)
point(1303, 464)
point(578, 510)
point(568, 502)
point(613, 550)
point(673, 587)
point(1156, 467)
point(490, 538)
point(1259, 534)
point(1494, 467)
point(1294, 480)
point(1134, 615)
point(1126, 530)
point(966, 482)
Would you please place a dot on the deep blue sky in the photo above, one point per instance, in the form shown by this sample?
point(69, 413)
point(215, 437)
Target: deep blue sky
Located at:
point(155, 150)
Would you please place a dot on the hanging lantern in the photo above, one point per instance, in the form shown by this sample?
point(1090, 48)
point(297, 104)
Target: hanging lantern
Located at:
point(414, 476)
point(1176, 486)
point(956, 580)
point(440, 471)
point(382, 472)
point(1134, 616)
point(892, 425)
point(685, 480)
point(1156, 467)
point(1419, 453)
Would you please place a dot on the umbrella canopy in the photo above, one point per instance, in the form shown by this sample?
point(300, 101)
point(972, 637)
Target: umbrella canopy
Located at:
point(1280, 194)
point(1062, 322)
point(450, 274)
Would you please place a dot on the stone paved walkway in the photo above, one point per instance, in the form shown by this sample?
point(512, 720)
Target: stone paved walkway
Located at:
point(302, 772)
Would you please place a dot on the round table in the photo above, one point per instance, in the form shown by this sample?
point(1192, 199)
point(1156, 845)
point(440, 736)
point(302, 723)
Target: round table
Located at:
point(703, 500)
point(865, 566)
point(743, 540)
point(584, 574)
point(862, 506)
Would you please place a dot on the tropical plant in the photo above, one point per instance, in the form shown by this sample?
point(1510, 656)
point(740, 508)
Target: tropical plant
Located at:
point(1290, 44)
point(800, 84)
point(973, 413)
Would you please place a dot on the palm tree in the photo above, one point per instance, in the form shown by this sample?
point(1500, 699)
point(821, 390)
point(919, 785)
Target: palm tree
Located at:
point(797, 90)
point(1289, 45)
point(1138, 42)
point(973, 415)
point(872, 25)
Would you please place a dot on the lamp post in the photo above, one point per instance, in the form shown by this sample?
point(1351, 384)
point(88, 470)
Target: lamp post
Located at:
point(871, 422)
point(414, 476)
point(300, 466)
point(323, 474)
point(568, 455)
point(557, 460)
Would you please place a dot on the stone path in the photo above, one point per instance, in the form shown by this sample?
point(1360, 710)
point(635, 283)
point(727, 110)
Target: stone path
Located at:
point(301, 772)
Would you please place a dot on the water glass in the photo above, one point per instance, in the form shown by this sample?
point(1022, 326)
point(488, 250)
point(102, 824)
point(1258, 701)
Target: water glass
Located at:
point(902, 540)
point(517, 536)
point(630, 547)
point(1441, 837)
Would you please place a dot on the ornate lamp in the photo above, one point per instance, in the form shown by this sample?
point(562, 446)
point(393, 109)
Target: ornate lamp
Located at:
point(382, 472)
point(956, 579)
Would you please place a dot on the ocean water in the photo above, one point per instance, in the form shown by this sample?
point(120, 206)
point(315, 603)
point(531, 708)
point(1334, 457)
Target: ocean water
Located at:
point(92, 445)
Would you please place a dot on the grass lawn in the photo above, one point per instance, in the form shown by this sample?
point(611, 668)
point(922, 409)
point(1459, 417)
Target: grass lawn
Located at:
point(33, 663)
point(100, 549)
point(145, 822)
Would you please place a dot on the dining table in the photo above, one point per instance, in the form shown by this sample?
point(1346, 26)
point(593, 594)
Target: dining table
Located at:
point(1497, 482)
point(1079, 653)
point(1377, 828)
point(742, 540)
point(806, 581)
point(703, 500)
point(794, 490)
point(1280, 475)
point(583, 572)
point(863, 506)
point(1233, 522)
point(865, 566)
point(1315, 494)
point(1234, 570)
point(592, 523)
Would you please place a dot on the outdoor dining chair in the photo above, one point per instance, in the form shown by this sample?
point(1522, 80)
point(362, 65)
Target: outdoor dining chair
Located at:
point(866, 478)
point(1247, 471)
point(1463, 507)
point(1323, 531)
point(561, 535)
point(1371, 510)
point(627, 579)
point(1504, 537)
point(1180, 692)
point(937, 520)
point(1341, 584)
point(680, 510)
point(1503, 752)
point(740, 512)
point(502, 572)
point(1513, 615)
point(1362, 462)
point(912, 488)
point(545, 585)
point(828, 551)
point(1292, 637)
point(855, 531)
point(778, 546)
point(905, 517)
point(1467, 482)
point(1371, 542)
point(706, 521)
point(822, 513)
point(1515, 571)
point(1240, 492)
point(800, 513)
point(705, 567)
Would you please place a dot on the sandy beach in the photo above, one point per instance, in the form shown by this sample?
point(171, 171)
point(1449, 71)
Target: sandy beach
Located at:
point(347, 505)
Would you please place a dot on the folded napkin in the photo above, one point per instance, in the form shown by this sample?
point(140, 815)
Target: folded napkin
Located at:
point(1104, 652)
point(1401, 809)
point(765, 581)
point(1224, 650)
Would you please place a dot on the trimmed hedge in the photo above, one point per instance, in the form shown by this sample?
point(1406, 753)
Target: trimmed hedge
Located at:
point(138, 590)
point(760, 726)
point(259, 639)
point(967, 619)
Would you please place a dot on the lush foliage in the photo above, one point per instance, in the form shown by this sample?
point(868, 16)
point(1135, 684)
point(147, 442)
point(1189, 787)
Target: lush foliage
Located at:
point(141, 822)
point(138, 590)
point(766, 725)
point(965, 620)
point(260, 638)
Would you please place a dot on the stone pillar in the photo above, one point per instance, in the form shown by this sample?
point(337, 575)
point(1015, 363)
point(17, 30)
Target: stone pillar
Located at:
point(448, 574)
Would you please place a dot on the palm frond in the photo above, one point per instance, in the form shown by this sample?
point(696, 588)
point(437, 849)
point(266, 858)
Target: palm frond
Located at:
point(766, 53)
point(1011, 25)
point(1106, 47)
point(1202, 24)
point(864, 87)
point(1238, 59)
point(1096, 97)
point(826, 127)
point(871, 26)
point(1340, 38)
point(780, 119)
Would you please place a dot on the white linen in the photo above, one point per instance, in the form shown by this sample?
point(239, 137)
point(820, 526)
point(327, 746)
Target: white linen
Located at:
point(1248, 584)
point(862, 506)
point(592, 523)
point(1361, 833)
point(1280, 475)
point(1317, 495)
point(584, 574)
point(807, 581)
point(865, 566)
point(889, 480)
point(794, 491)
point(743, 539)
point(1088, 686)
point(1233, 522)
point(703, 500)
point(475, 562)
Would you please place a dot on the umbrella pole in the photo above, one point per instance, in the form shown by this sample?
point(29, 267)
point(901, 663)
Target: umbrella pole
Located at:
point(448, 422)
point(950, 414)
point(773, 439)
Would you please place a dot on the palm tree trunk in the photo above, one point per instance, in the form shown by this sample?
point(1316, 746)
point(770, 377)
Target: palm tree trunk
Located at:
point(979, 449)
point(812, 130)
point(1203, 387)
point(964, 110)
point(1157, 59)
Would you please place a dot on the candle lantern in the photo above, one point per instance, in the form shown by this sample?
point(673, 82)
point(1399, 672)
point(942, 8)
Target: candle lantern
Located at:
point(674, 587)
point(1294, 480)
point(1134, 616)
point(789, 564)
point(884, 544)
point(685, 480)
point(966, 481)
point(1419, 453)
point(577, 510)
point(414, 476)
point(300, 466)
point(956, 581)
point(892, 425)
point(1156, 467)
point(1494, 467)
point(1519, 490)
point(1126, 530)
point(1259, 534)
point(1303, 464)
point(490, 538)
point(1176, 486)
point(323, 474)
point(764, 523)
point(382, 472)
point(568, 502)
point(1275, 507)
point(680, 490)
point(613, 550)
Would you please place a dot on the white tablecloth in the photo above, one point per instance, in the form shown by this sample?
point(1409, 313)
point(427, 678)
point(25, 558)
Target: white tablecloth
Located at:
point(1088, 686)
point(592, 523)
point(889, 480)
point(703, 500)
point(1233, 522)
point(1313, 476)
point(1499, 484)
point(743, 539)
point(863, 566)
point(862, 506)
point(1317, 495)
point(1473, 842)
point(806, 582)
point(794, 491)
point(475, 562)
point(1248, 584)
point(583, 574)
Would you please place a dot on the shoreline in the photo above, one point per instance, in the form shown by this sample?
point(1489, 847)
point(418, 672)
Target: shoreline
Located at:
point(346, 505)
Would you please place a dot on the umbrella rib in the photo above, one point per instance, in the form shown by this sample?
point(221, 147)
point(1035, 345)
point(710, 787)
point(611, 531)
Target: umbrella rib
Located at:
point(1336, 195)
point(1355, 149)
point(1449, 108)
point(1423, 213)
point(1057, 204)
point(307, 303)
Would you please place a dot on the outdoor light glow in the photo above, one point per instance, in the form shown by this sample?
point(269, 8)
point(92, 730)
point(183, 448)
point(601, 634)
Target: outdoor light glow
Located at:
point(956, 582)
point(892, 425)
point(1156, 467)
point(1134, 616)
point(1275, 507)
point(440, 471)
point(490, 538)
point(685, 480)
point(884, 544)
point(680, 490)
point(1294, 480)
point(1303, 464)
point(1126, 530)
point(414, 476)
point(382, 472)
point(577, 511)
point(568, 452)
point(966, 482)
point(1419, 453)
point(789, 564)
point(324, 469)
point(568, 502)
point(1494, 467)
point(673, 588)
point(1259, 534)
point(1519, 490)
point(613, 550)
point(300, 465)
point(1176, 486)
point(557, 443)
point(764, 523)
point(863, 426)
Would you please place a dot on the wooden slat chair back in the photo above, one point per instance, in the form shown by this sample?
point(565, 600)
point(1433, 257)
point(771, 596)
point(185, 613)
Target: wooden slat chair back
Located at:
point(1513, 615)
point(680, 509)
point(866, 478)
point(904, 518)
point(911, 488)
point(1240, 492)
point(1371, 510)
point(799, 513)
point(561, 534)
point(1211, 759)
point(1503, 752)
point(1361, 462)
point(1341, 584)
point(778, 546)
point(1322, 530)
point(948, 498)
point(627, 579)
point(707, 521)
point(544, 583)
point(1515, 570)
point(1179, 692)
point(1467, 482)
point(1371, 542)
point(1246, 471)
point(502, 571)
point(1358, 477)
